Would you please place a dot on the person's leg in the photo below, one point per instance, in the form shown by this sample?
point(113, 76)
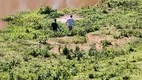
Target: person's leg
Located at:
point(55, 29)
point(70, 28)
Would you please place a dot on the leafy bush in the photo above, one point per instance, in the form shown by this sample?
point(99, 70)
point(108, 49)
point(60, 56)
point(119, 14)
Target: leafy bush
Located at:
point(126, 78)
point(26, 58)
point(56, 14)
point(42, 52)
point(78, 39)
point(105, 43)
point(81, 32)
point(93, 52)
point(66, 51)
point(131, 4)
point(34, 53)
point(11, 76)
point(69, 57)
point(46, 10)
point(74, 72)
point(91, 76)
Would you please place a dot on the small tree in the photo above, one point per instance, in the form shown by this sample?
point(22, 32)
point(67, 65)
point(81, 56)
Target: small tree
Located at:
point(46, 10)
point(66, 51)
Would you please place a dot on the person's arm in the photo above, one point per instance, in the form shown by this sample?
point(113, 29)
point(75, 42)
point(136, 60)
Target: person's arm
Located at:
point(67, 22)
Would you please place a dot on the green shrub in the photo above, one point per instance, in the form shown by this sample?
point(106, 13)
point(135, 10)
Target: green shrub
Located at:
point(40, 52)
point(74, 72)
point(69, 57)
point(5, 66)
point(37, 27)
point(20, 78)
point(55, 78)
point(81, 32)
point(112, 75)
point(15, 62)
point(77, 49)
point(35, 36)
point(1, 54)
point(66, 51)
point(34, 53)
point(78, 39)
point(130, 4)
point(78, 54)
point(92, 52)
point(43, 41)
point(26, 58)
point(56, 14)
point(45, 53)
point(72, 33)
point(126, 78)
point(8, 18)
point(96, 68)
point(105, 43)
point(91, 76)
point(11, 76)
point(27, 31)
point(45, 10)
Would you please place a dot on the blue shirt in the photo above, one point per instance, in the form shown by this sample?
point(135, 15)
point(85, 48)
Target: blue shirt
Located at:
point(70, 21)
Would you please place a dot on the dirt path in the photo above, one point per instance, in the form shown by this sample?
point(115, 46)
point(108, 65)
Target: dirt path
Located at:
point(64, 18)
point(95, 40)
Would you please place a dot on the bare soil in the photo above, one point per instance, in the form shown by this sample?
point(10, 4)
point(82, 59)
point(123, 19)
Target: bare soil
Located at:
point(92, 40)
point(64, 18)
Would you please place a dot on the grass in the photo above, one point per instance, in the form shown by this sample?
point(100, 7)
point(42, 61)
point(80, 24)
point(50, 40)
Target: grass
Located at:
point(24, 52)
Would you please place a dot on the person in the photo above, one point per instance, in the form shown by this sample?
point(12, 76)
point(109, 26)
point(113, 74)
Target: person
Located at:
point(54, 25)
point(70, 22)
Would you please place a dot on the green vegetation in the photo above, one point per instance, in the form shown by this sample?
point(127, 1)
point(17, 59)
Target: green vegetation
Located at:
point(25, 53)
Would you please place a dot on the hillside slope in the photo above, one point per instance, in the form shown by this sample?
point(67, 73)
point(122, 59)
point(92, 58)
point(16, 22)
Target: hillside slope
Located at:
point(105, 44)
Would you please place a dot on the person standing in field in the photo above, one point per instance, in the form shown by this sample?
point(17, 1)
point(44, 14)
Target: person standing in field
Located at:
point(70, 22)
point(54, 25)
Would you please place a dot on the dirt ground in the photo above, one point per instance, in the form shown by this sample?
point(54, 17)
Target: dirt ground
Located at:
point(64, 18)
